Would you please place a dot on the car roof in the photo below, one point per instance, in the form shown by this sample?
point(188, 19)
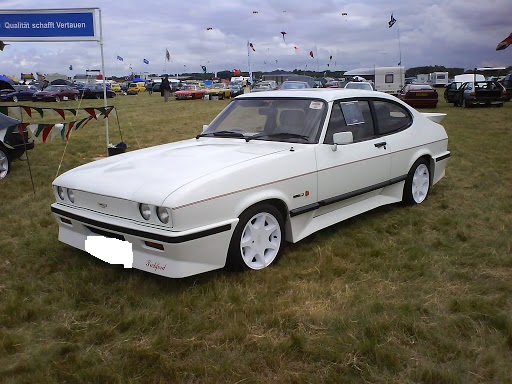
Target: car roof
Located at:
point(326, 94)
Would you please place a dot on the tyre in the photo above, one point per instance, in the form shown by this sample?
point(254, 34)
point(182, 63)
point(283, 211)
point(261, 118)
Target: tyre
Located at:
point(257, 239)
point(417, 183)
point(15, 99)
point(5, 164)
point(76, 97)
point(98, 96)
point(221, 96)
point(57, 99)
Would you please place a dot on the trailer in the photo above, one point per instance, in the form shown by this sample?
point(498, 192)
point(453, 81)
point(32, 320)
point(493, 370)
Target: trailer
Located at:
point(438, 79)
point(384, 79)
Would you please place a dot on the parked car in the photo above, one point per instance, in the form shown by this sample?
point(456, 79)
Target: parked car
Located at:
point(480, 93)
point(333, 84)
point(116, 87)
point(219, 90)
point(359, 85)
point(236, 89)
point(419, 95)
point(189, 91)
point(95, 91)
point(451, 93)
point(12, 143)
point(507, 84)
point(271, 167)
point(56, 93)
point(291, 84)
point(136, 88)
point(18, 93)
point(261, 87)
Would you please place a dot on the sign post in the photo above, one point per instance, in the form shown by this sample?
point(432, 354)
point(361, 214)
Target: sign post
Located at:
point(63, 25)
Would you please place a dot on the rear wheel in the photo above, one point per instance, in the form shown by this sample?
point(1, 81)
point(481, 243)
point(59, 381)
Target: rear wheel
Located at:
point(57, 99)
point(5, 163)
point(257, 239)
point(417, 184)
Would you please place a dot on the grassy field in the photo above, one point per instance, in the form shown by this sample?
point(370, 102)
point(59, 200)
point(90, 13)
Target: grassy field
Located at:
point(401, 294)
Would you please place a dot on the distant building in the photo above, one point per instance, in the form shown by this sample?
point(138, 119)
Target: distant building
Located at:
point(278, 76)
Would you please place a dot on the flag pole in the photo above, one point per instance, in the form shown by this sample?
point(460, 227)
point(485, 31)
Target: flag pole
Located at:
point(249, 61)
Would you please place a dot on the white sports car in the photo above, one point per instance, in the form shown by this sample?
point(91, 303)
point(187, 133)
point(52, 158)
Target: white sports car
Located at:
point(271, 167)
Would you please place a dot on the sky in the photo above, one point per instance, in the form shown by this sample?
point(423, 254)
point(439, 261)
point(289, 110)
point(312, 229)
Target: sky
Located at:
point(342, 35)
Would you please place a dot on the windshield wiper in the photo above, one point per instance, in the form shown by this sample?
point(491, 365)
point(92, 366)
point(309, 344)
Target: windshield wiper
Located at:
point(221, 134)
point(279, 134)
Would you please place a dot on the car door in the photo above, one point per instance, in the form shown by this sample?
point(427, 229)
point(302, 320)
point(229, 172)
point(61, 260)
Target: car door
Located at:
point(352, 172)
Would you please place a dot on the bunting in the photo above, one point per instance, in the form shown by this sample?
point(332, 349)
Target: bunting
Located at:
point(46, 131)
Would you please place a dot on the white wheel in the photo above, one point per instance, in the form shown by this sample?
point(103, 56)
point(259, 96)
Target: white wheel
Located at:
point(4, 164)
point(417, 184)
point(15, 99)
point(257, 239)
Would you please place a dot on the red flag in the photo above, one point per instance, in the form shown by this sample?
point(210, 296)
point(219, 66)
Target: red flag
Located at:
point(46, 131)
point(237, 72)
point(504, 43)
point(311, 54)
point(61, 113)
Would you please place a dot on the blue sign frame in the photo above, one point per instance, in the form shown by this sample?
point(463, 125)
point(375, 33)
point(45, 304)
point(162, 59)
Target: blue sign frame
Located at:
point(48, 25)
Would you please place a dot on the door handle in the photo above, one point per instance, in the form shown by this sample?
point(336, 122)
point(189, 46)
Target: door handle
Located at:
point(381, 144)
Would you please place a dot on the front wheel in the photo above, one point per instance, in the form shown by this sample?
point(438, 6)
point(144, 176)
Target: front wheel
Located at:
point(15, 99)
point(5, 164)
point(57, 99)
point(257, 239)
point(417, 184)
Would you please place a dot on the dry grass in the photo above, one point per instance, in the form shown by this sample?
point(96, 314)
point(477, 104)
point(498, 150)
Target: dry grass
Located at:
point(409, 295)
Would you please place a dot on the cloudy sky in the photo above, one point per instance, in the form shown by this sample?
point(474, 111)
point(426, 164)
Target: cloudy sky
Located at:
point(214, 33)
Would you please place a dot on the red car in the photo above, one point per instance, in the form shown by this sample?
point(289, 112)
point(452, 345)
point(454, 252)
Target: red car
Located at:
point(56, 93)
point(419, 95)
point(189, 91)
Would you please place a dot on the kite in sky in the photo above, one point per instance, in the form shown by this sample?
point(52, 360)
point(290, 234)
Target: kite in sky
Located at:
point(502, 44)
point(283, 33)
point(254, 11)
point(252, 47)
point(392, 21)
point(209, 28)
point(311, 54)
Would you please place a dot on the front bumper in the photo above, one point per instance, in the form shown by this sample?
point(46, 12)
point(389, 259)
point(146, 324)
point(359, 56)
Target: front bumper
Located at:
point(155, 250)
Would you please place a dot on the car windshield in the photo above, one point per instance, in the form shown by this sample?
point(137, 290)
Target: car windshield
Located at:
point(293, 85)
point(52, 88)
point(420, 87)
point(218, 85)
point(276, 119)
point(189, 87)
point(359, 86)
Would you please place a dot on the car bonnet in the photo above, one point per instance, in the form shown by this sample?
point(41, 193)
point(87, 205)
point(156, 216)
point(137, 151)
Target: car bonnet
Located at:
point(152, 174)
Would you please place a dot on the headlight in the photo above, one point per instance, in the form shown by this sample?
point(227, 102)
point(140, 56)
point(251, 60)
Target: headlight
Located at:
point(163, 214)
point(145, 211)
point(71, 195)
point(60, 192)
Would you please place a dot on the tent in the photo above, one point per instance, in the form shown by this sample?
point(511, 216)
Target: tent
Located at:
point(138, 80)
point(61, 82)
point(7, 79)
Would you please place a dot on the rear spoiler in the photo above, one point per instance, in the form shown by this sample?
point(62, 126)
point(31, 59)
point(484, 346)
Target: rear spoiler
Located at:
point(435, 117)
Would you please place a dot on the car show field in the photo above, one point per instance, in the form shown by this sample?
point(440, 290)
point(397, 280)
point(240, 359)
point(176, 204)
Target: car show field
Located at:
point(396, 294)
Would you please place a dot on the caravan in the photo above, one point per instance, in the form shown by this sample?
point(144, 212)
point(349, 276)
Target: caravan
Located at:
point(384, 79)
point(438, 79)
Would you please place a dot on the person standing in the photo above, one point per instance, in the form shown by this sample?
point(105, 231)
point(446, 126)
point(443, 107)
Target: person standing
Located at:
point(149, 87)
point(165, 88)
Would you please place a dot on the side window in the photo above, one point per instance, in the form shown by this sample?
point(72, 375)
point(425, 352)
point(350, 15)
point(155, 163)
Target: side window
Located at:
point(352, 116)
point(388, 78)
point(391, 117)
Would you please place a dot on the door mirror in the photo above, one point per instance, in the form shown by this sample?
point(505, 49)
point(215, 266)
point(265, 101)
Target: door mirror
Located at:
point(343, 138)
point(205, 127)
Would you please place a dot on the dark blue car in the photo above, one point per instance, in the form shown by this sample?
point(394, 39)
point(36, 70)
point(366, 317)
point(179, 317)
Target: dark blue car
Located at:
point(18, 93)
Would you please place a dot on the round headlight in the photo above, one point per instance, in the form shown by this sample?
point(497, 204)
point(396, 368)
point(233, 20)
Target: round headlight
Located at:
point(145, 211)
point(60, 192)
point(71, 195)
point(163, 214)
